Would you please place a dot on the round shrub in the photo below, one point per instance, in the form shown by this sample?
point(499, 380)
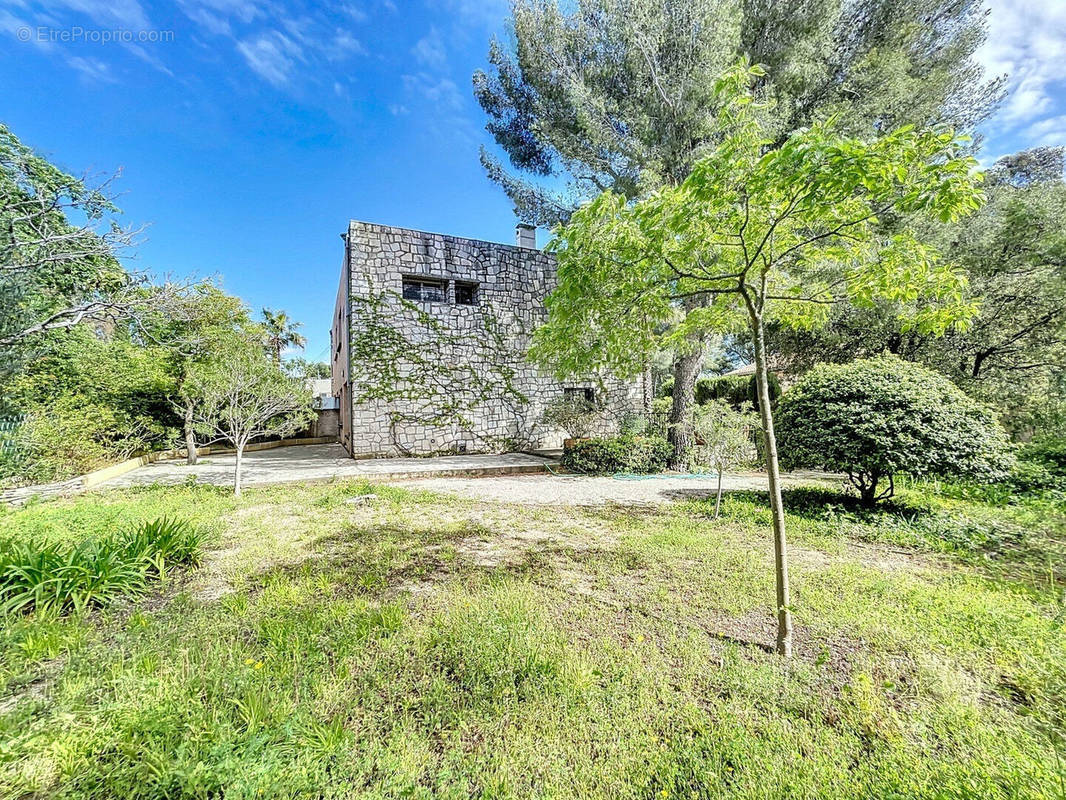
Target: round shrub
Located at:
point(876, 418)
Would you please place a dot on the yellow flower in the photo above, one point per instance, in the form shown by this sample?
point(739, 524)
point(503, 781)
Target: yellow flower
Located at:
point(248, 661)
point(640, 638)
point(258, 664)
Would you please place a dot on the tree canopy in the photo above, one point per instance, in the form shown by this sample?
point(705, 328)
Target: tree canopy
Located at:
point(620, 94)
point(1013, 252)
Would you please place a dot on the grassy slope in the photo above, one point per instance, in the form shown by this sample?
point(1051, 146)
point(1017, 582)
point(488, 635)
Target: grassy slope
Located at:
point(420, 646)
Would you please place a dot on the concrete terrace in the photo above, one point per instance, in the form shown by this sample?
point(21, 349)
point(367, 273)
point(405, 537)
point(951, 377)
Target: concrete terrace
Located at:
point(324, 462)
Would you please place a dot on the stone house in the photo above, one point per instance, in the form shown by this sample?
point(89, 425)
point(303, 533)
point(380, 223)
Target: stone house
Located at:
point(429, 341)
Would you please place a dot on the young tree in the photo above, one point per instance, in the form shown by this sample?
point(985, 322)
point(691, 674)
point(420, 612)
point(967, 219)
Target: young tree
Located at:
point(620, 94)
point(876, 418)
point(281, 332)
point(759, 235)
point(725, 436)
point(199, 325)
point(239, 396)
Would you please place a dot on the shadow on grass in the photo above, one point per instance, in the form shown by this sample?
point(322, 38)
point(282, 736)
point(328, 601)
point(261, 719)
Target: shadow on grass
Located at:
point(384, 558)
point(815, 503)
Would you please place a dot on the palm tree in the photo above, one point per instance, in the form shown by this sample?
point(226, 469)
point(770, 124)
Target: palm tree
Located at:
point(281, 332)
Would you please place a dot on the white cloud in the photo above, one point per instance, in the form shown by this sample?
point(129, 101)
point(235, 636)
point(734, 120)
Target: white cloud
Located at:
point(271, 55)
point(442, 93)
point(277, 43)
point(429, 50)
point(1027, 41)
point(1050, 132)
point(244, 11)
point(344, 44)
point(126, 14)
point(93, 70)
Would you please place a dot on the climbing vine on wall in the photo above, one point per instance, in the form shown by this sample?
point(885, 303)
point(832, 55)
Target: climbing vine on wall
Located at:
point(432, 373)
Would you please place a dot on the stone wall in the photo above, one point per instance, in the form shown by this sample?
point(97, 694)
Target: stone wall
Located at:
point(483, 395)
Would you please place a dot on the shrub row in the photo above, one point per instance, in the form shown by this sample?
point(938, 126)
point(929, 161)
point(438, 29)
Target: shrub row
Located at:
point(623, 453)
point(733, 389)
point(55, 578)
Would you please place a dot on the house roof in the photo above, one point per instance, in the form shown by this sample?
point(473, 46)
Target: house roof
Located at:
point(742, 371)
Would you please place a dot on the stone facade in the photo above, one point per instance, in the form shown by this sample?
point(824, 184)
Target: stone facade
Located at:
point(458, 315)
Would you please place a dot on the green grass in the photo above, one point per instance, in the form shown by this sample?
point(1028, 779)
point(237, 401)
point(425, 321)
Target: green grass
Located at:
point(427, 646)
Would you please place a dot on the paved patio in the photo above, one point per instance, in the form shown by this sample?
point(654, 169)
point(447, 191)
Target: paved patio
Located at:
point(509, 477)
point(322, 462)
point(588, 490)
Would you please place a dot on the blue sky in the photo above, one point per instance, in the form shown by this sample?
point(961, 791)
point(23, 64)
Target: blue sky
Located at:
point(249, 131)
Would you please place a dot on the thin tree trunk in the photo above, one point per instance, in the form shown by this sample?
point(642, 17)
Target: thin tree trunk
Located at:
point(687, 368)
point(191, 455)
point(718, 496)
point(773, 472)
point(237, 469)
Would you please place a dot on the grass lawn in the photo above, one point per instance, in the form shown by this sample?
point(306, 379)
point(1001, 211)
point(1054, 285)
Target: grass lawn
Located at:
point(416, 645)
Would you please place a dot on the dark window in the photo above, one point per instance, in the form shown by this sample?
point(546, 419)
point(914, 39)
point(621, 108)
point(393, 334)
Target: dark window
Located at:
point(425, 289)
point(581, 392)
point(466, 293)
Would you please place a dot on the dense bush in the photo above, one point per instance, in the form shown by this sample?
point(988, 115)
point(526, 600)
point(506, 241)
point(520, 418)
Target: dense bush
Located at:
point(574, 414)
point(875, 418)
point(54, 577)
point(623, 453)
point(1049, 451)
point(735, 390)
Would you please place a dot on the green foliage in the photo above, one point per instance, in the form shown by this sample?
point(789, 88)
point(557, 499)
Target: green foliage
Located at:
point(89, 400)
point(58, 244)
point(242, 396)
point(622, 95)
point(1049, 451)
point(725, 436)
point(412, 360)
point(754, 237)
point(622, 453)
point(52, 577)
point(731, 388)
point(735, 390)
point(876, 418)
point(1013, 352)
point(281, 332)
point(574, 414)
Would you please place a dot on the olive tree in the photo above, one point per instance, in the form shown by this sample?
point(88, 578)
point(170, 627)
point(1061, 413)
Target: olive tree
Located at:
point(241, 396)
point(759, 234)
point(724, 439)
point(877, 418)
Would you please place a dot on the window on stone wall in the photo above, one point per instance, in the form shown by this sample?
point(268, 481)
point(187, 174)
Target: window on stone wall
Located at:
point(585, 393)
point(466, 293)
point(431, 290)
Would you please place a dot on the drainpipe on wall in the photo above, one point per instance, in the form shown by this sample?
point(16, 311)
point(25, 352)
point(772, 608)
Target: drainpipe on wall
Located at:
point(348, 335)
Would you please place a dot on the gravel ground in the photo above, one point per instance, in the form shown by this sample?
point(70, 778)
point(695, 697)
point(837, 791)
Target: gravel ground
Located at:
point(587, 491)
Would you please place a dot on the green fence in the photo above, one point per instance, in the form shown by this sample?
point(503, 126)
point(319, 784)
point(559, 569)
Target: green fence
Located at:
point(8, 426)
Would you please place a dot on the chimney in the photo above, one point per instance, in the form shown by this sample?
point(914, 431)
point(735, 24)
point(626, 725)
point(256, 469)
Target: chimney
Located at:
point(525, 235)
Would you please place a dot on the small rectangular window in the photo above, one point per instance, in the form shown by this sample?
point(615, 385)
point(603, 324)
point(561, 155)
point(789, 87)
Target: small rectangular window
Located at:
point(465, 293)
point(427, 290)
point(574, 393)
